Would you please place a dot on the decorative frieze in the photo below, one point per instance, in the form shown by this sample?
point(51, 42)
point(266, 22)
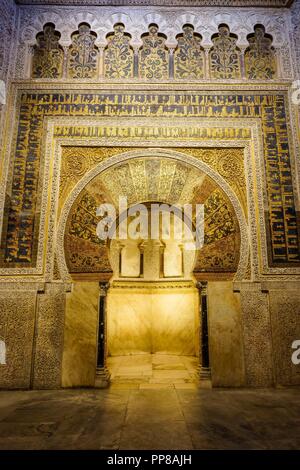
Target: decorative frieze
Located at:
point(154, 60)
point(189, 3)
point(136, 21)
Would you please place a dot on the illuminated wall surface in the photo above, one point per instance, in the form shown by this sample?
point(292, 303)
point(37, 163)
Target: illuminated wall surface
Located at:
point(153, 320)
point(176, 107)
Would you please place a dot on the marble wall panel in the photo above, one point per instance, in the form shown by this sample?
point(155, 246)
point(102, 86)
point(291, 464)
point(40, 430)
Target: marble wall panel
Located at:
point(225, 335)
point(80, 335)
point(175, 321)
point(152, 320)
point(257, 336)
point(129, 321)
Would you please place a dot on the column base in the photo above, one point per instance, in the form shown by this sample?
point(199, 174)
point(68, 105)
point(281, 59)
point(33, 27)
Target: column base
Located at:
point(205, 377)
point(102, 379)
point(205, 373)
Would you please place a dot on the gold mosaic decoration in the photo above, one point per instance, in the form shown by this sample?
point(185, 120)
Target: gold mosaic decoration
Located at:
point(260, 60)
point(221, 249)
point(84, 251)
point(48, 55)
point(224, 55)
point(83, 54)
point(171, 182)
point(189, 56)
point(22, 212)
point(118, 54)
point(153, 55)
point(77, 161)
point(229, 163)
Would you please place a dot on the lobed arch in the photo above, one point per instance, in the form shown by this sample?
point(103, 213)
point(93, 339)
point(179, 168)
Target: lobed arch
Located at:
point(239, 26)
point(225, 54)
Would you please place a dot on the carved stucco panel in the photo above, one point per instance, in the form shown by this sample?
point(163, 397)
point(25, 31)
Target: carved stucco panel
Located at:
point(49, 337)
point(295, 33)
point(285, 319)
point(256, 327)
point(17, 316)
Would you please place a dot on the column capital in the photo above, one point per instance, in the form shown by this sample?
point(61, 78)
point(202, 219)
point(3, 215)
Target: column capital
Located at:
point(202, 286)
point(104, 286)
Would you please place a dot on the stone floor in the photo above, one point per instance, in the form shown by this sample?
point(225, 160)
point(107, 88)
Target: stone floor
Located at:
point(153, 371)
point(150, 419)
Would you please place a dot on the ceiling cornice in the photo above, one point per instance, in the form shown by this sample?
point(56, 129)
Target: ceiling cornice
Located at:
point(163, 3)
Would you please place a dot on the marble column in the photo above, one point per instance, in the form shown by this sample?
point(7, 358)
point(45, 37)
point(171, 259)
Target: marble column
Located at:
point(207, 63)
point(29, 52)
point(242, 61)
point(280, 72)
point(101, 62)
point(205, 372)
point(136, 62)
point(120, 247)
point(65, 61)
point(102, 373)
point(141, 248)
point(171, 62)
